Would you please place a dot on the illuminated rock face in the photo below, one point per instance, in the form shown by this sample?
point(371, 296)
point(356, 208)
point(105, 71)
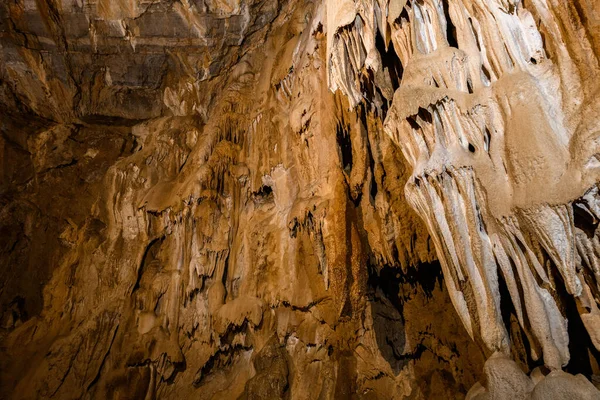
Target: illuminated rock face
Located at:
point(491, 116)
point(331, 199)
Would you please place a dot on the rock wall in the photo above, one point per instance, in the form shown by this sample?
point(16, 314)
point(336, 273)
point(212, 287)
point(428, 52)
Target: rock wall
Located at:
point(333, 199)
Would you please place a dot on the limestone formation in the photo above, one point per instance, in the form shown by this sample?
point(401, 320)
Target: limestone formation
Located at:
point(328, 199)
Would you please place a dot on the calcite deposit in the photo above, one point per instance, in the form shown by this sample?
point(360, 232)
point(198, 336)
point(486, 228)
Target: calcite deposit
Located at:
point(272, 199)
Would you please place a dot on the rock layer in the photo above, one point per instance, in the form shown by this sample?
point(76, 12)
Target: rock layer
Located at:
point(314, 199)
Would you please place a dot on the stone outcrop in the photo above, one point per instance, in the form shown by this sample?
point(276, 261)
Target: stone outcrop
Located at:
point(326, 199)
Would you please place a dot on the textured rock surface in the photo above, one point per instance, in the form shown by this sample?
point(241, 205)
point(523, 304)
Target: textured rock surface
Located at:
point(293, 199)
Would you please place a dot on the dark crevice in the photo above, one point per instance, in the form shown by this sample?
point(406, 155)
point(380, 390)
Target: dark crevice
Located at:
point(450, 28)
point(390, 61)
point(344, 146)
point(305, 308)
point(390, 289)
point(486, 73)
point(307, 224)
point(470, 86)
point(263, 195)
point(520, 346)
point(413, 123)
point(356, 198)
point(581, 348)
point(61, 166)
point(318, 29)
point(149, 255)
point(389, 279)
point(225, 356)
point(425, 115)
point(219, 361)
point(506, 305)
point(376, 101)
point(178, 367)
point(403, 17)
point(265, 190)
point(305, 126)
point(584, 219)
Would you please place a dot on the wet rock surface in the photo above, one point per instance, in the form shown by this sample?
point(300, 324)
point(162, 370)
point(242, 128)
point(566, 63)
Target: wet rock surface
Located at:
point(335, 199)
